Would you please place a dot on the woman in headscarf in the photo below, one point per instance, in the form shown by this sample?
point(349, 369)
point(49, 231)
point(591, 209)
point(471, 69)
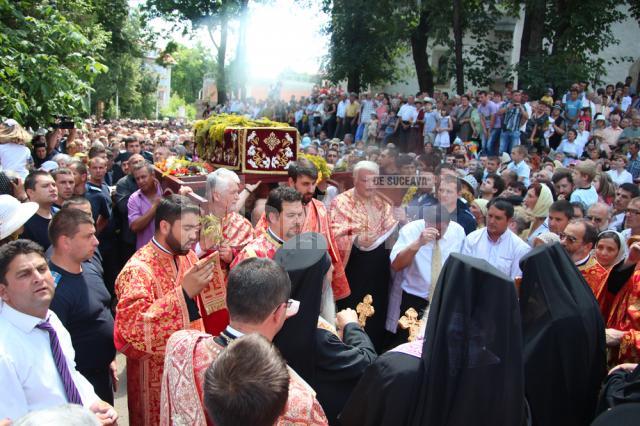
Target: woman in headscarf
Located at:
point(564, 343)
point(537, 202)
point(609, 251)
point(467, 371)
point(310, 343)
point(478, 208)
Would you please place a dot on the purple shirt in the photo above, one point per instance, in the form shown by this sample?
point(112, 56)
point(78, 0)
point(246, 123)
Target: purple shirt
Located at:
point(138, 205)
point(486, 111)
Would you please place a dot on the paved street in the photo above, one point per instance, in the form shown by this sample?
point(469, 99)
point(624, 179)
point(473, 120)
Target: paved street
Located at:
point(121, 395)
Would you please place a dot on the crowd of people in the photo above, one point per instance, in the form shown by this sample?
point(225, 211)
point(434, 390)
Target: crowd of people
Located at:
point(475, 263)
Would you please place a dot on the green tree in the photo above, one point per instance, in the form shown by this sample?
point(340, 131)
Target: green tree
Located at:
point(561, 41)
point(128, 79)
point(207, 14)
point(176, 103)
point(364, 43)
point(191, 66)
point(47, 61)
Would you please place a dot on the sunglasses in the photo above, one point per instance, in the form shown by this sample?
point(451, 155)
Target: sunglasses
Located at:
point(570, 238)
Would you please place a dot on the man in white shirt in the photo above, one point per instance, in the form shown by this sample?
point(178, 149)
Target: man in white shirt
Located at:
point(420, 252)
point(496, 243)
point(31, 336)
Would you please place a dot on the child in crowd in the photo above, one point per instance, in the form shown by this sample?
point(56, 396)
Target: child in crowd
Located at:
point(443, 127)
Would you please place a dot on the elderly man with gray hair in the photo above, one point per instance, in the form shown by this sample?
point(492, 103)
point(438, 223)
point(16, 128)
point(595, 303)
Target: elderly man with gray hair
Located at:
point(225, 231)
point(361, 222)
point(599, 214)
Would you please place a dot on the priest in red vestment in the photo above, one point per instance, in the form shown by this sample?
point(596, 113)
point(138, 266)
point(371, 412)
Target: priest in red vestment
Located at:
point(190, 352)
point(623, 321)
point(157, 291)
point(285, 216)
point(303, 176)
point(362, 221)
point(225, 231)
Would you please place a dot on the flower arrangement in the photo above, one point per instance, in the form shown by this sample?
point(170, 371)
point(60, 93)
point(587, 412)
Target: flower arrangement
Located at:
point(324, 172)
point(173, 166)
point(210, 132)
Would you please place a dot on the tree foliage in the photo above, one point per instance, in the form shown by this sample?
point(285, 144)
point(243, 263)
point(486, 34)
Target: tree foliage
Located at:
point(575, 32)
point(207, 14)
point(191, 66)
point(47, 60)
point(128, 78)
point(364, 44)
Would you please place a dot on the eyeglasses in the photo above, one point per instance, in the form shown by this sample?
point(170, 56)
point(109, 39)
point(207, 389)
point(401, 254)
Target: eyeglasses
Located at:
point(594, 219)
point(292, 307)
point(633, 211)
point(571, 238)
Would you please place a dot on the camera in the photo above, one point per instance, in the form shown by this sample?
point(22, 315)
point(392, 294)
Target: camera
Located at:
point(63, 122)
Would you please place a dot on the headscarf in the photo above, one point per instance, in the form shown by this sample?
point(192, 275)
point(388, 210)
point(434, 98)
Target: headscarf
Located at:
point(622, 253)
point(472, 354)
point(545, 199)
point(482, 205)
point(564, 341)
point(306, 261)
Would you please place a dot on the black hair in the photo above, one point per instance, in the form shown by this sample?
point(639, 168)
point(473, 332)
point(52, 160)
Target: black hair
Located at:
point(172, 207)
point(255, 288)
point(13, 249)
point(502, 205)
point(279, 195)
point(562, 206)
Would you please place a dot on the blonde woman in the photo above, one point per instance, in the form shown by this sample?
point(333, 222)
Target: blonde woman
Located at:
point(15, 157)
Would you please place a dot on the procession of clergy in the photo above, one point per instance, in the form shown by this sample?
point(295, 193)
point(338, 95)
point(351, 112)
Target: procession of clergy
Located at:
point(355, 315)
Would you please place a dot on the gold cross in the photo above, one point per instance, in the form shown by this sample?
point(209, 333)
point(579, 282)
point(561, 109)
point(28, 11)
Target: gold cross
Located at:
point(410, 321)
point(365, 310)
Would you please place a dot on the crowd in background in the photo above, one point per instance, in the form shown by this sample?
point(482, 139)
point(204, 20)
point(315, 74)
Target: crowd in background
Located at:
point(502, 174)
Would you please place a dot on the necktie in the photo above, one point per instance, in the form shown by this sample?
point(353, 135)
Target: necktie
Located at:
point(73, 396)
point(436, 266)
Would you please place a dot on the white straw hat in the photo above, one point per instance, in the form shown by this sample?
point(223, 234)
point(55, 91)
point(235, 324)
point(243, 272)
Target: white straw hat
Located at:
point(14, 214)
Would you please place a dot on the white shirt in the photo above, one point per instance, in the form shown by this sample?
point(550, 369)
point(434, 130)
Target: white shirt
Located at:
point(522, 170)
point(29, 379)
point(416, 278)
point(14, 158)
point(341, 110)
point(586, 196)
point(408, 113)
point(504, 254)
point(620, 178)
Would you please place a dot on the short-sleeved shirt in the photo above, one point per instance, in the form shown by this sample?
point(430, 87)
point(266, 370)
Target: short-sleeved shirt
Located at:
point(486, 111)
point(522, 170)
point(82, 303)
point(586, 196)
point(138, 205)
point(100, 204)
point(408, 113)
point(573, 108)
point(37, 229)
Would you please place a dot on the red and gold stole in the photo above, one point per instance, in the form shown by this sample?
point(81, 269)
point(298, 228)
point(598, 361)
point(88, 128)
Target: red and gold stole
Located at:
point(353, 216)
point(596, 276)
point(625, 316)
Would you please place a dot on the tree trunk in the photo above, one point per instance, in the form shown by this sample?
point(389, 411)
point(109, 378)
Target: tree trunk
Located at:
point(241, 62)
point(419, 41)
point(221, 81)
point(457, 44)
point(353, 82)
point(533, 30)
